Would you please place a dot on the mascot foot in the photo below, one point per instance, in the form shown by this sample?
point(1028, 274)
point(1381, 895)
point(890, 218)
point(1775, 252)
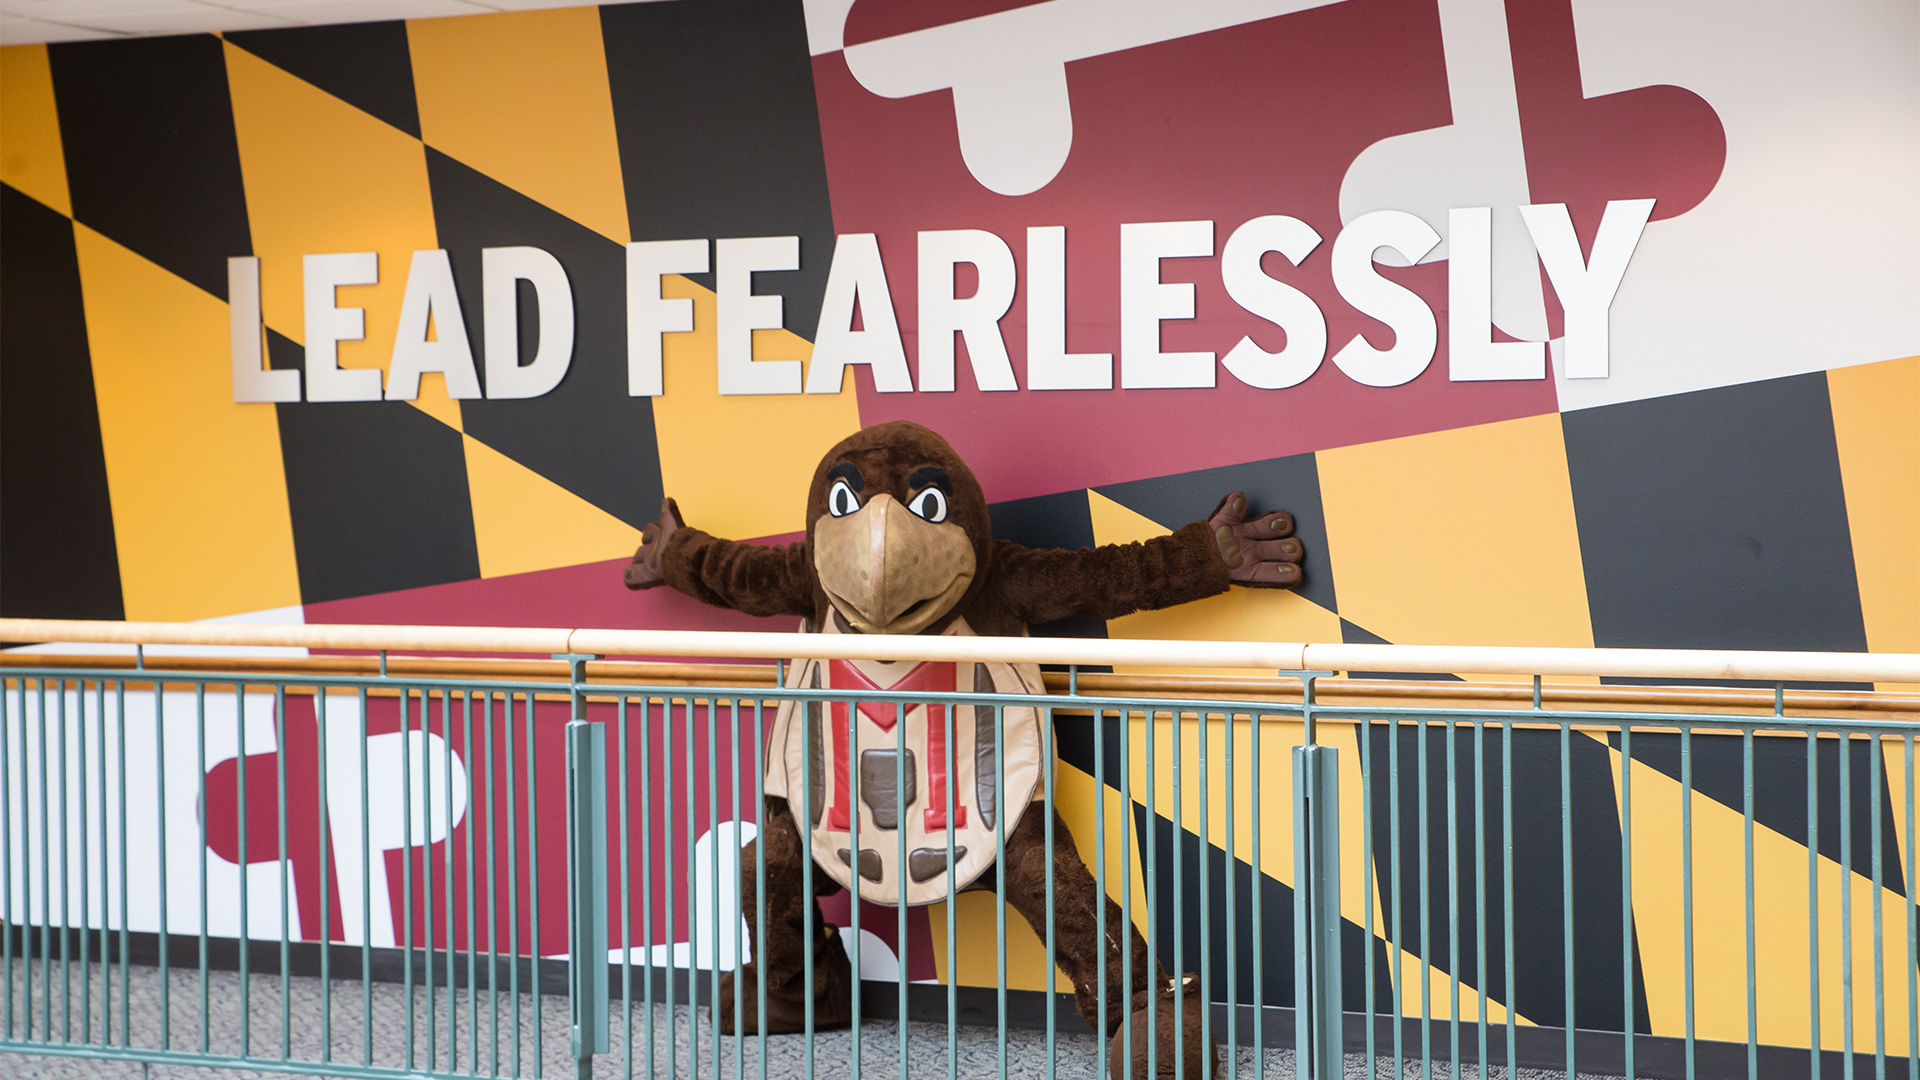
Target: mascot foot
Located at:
point(1177, 1036)
point(786, 1001)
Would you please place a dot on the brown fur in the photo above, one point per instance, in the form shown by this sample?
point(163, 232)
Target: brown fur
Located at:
point(1014, 587)
point(1020, 585)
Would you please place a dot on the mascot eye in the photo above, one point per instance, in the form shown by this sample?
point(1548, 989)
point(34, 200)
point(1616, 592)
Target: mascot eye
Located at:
point(930, 504)
point(841, 500)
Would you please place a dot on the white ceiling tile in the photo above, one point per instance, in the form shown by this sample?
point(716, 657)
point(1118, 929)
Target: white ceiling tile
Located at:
point(101, 12)
point(540, 5)
point(341, 11)
point(15, 30)
point(204, 20)
point(78, 20)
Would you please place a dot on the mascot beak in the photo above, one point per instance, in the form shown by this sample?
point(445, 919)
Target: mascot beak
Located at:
point(889, 571)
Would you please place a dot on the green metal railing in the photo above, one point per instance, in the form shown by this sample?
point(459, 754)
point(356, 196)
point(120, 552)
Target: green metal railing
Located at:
point(302, 868)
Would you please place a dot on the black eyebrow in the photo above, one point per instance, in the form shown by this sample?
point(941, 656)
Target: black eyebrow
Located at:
point(930, 476)
point(846, 471)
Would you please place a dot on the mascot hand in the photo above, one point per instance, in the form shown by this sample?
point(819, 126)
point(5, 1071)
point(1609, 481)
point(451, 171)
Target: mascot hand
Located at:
point(1262, 552)
point(646, 570)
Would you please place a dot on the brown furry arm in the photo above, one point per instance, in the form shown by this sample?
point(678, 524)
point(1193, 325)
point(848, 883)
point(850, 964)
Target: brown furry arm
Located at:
point(752, 578)
point(1042, 585)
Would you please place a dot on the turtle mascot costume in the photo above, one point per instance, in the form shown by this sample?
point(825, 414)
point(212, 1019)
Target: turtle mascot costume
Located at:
point(899, 542)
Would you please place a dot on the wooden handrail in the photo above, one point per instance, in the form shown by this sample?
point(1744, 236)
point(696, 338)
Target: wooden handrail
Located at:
point(1270, 656)
point(1898, 668)
point(1337, 692)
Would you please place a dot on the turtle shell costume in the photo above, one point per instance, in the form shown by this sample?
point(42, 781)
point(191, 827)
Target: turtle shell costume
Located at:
point(899, 542)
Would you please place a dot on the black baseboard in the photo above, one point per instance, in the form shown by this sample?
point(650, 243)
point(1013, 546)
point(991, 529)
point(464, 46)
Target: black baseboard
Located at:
point(1656, 1057)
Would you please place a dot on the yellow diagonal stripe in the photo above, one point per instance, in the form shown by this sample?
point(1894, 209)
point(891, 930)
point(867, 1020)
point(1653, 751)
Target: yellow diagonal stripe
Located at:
point(1235, 615)
point(1782, 999)
point(31, 160)
point(199, 498)
point(322, 176)
point(523, 97)
point(523, 521)
point(1876, 427)
point(1462, 537)
point(740, 466)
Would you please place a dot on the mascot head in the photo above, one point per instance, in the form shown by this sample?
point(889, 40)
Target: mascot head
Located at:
point(898, 529)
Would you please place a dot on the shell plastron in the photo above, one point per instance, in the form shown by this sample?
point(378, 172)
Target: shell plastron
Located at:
point(808, 753)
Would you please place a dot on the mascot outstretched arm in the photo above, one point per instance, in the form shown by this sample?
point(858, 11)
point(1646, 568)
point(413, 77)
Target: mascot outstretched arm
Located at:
point(899, 542)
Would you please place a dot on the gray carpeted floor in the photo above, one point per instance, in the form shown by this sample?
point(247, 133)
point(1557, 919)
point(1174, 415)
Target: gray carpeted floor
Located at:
point(975, 1050)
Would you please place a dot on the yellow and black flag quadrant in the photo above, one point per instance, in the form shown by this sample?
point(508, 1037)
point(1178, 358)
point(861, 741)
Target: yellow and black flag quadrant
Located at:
point(145, 164)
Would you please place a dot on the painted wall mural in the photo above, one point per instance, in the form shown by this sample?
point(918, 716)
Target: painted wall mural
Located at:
point(1551, 326)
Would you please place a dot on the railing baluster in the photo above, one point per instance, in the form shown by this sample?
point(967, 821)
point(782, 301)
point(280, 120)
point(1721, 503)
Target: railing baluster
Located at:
point(366, 884)
point(84, 925)
point(760, 855)
point(1566, 882)
point(475, 793)
point(10, 918)
point(534, 878)
point(80, 817)
point(446, 864)
point(286, 878)
point(1453, 897)
point(1846, 905)
point(1480, 891)
point(1232, 898)
point(511, 771)
point(647, 727)
point(953, 918)
point(1397, 945)
point(1150, 874)
point(66, 892)
point(1879, 934)
point(1913, 946)
point(406, 863)
point(626, 890)
point(1363, 738)
point(1746, 791)
point(1686, 883)
point(690, 823)
point(735, 917)
point(326, 878)
point(1126, 890)
point(493, 880)
point(1626, 897)
point(1812, 740)
point(902, 973)
point(1506, 882)
point(1425, 826)
point(200, 774)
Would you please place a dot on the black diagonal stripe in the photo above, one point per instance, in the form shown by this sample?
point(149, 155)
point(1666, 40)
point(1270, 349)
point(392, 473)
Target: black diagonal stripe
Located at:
point(58, 559)
point(1780, 791)
point(1289, 483)
point(152, 161)
point(720, 135)
point(378, 494)
point(587, 435)
point(1181, 858)
point(1716, 520)
point(363, 64)
point(1540, 900)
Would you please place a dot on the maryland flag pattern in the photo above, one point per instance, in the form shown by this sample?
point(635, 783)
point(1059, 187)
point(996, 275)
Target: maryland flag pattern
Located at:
point(1747, 474)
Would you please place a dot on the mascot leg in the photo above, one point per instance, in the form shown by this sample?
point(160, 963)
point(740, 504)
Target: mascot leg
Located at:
point(780, 960)
point(1080, 952)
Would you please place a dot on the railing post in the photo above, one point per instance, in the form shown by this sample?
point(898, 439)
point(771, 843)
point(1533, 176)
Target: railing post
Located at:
point(1319, 1035)
point(587, 874)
